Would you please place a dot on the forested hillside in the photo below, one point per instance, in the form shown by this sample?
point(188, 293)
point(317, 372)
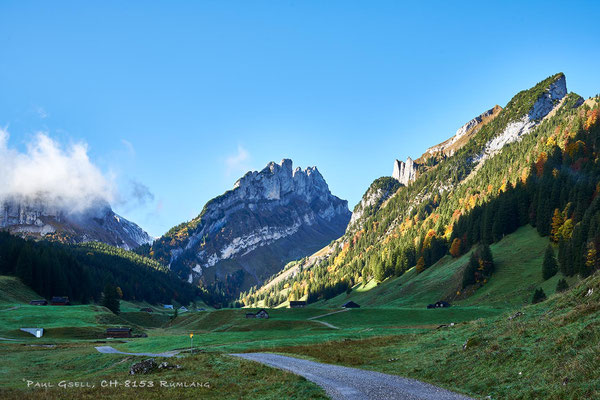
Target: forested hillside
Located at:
point(82, 272)
point(546, 176)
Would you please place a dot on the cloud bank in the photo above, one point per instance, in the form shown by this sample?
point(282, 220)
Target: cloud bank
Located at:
point(64, 178)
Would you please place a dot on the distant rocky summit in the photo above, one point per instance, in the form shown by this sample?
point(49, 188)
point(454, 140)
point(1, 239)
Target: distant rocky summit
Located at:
point(38, 218)
point(249, 233)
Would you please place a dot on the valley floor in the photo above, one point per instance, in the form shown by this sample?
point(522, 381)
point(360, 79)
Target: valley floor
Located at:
point(490, 344)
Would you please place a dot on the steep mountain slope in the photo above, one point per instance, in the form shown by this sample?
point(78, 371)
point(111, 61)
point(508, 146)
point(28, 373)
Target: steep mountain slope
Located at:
point(249, 233)
point(511, 171)
point(406, 172)
point(37, 218)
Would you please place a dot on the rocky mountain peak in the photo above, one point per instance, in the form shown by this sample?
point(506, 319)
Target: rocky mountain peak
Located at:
point(40, 218)
point(270, 217)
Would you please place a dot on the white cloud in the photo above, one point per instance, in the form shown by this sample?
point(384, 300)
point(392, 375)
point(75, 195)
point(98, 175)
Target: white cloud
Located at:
point(63, 177)
point(238, 162)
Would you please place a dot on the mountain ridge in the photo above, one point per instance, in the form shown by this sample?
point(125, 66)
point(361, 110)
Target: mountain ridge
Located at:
point(40, 219)
point(269, 218)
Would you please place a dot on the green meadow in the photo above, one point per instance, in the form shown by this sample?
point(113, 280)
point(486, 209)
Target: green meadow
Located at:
point(544, 353)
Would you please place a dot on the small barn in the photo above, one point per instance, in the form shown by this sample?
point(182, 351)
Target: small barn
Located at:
point(147, 309)
point(183, 309)
point(38, 302)
point(168, 306)
point(118, 332)
point(262, 313)
point(350, 304)
point(297, 303)
point(60, 301)
point(37, 332)
point(439, 304)
point(250, 315)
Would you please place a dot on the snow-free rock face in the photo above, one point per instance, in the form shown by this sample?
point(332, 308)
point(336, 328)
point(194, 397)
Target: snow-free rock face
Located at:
point(379, 191)
point(37, 218)
point(515, 130)
point(249, 233)
point(462, 135)
point(405, 172)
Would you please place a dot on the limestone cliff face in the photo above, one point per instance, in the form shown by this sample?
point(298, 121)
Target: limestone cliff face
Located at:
point(37, 218)
point(548, 101)
point(462, 135)
point(379, 191)
point(405, 172)
point(269, 218)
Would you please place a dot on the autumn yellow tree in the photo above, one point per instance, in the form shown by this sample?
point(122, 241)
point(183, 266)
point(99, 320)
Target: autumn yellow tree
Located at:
point(557, 223)
point(420, 265)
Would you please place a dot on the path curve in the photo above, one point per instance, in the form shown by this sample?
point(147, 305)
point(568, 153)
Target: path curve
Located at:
point(112, 350)
point(343, 383)
point(327, 324)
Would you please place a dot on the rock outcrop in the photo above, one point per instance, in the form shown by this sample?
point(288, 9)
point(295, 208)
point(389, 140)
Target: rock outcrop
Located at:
point(249, 233)
point(515, 130)
point(462, 135)
point(36, 218)
point(379, 191)
point(405, 172)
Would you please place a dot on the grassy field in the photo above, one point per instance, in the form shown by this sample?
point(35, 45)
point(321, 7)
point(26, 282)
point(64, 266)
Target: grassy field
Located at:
point(228, 377)
point(549, 352)
point(13, 292)
point(553, 345)
point(518, 258)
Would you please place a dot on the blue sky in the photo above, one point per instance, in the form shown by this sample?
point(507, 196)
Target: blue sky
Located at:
point(184, 97)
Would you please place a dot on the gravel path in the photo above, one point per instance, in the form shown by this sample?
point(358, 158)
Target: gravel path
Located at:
point(10, 309)
point(327, 324)
point(343, 383)
point(331, 313)
point(112, 350)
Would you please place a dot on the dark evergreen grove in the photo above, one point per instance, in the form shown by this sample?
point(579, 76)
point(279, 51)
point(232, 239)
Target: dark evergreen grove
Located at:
point(83, 272)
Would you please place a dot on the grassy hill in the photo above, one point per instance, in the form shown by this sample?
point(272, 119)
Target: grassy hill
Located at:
point(13, 292)
point(518, 258)
point(547, 352)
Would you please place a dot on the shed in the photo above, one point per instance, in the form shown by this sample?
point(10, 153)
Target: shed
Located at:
point(38, 302)
point(118, 332)
point(250, 315)
point(297, 304)
point(147, 309)
point(183, 309)
point(350, 304)
point(60, 301)
point(37, 332)
point(262, 313)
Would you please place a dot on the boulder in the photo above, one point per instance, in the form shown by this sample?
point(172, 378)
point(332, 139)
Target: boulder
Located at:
point(143, 367)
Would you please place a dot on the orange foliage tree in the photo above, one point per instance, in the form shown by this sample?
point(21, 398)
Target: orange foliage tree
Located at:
point(455, 248)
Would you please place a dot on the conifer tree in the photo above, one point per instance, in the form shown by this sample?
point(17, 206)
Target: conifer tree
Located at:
point(549, 267)
point(110, 299)
point(562, 285)
point(538, 296)
point(470, 271)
